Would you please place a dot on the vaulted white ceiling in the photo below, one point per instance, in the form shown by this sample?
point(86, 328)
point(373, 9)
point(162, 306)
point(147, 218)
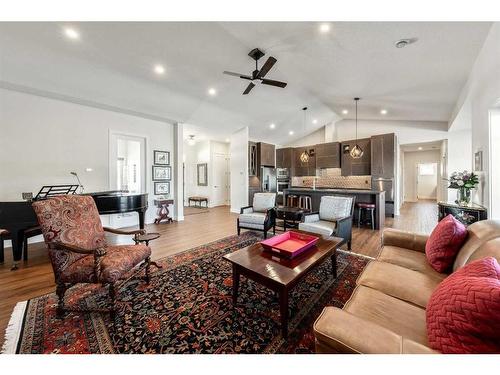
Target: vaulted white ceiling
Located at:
point(112, 65)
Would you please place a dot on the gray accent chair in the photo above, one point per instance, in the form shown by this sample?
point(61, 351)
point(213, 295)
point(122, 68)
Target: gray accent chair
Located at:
point(334, 218)
point(261, 215)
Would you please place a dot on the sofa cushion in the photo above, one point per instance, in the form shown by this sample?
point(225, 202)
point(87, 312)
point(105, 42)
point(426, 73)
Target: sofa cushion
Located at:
point(463, 314)
point(444, 243)
point(479, 232)
point(334, 207)
point(263, 201)
point(253, 218)
point(401, 317)
point(407, 285)
point(411, 259)
point(325, 228)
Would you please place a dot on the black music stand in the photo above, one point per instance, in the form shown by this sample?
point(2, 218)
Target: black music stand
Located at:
point(48, 191)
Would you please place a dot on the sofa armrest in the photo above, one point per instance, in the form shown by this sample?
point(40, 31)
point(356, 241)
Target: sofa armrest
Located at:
point(406, 240)
point(310, 217)
point(246, 210)
point(342, 332)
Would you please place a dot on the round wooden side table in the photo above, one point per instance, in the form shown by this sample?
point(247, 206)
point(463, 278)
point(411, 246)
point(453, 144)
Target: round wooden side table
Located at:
point(145, 238)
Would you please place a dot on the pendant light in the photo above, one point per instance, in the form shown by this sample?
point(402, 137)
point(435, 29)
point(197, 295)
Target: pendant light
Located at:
point(304, 157)
point(356, 152)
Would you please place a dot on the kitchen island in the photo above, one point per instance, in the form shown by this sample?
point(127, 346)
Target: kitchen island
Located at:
point(364, 196)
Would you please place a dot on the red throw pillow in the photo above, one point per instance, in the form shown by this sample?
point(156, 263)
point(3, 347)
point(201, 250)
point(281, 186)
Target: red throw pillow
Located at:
point(463, 313)
point(444, 243)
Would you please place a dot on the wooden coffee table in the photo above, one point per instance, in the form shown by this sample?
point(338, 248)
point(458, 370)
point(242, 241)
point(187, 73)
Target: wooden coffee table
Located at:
point(278, 273)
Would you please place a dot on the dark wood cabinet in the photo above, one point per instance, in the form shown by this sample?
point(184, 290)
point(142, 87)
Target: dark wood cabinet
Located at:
point(300, 168)
point(328, 155)
point(383, 154)
point(356, 167)
point(266, 155)
point(284, 157)
point(252, 159)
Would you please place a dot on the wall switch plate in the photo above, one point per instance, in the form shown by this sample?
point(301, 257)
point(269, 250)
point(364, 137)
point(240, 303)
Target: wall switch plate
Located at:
point(27, 196)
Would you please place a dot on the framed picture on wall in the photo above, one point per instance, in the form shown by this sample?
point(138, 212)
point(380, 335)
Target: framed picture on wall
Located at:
point(201, 174)
point(162, 188)
point(161, 157)
point(161, 173)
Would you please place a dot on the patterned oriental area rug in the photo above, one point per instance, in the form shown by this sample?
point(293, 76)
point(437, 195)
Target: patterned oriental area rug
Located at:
point(187, 308)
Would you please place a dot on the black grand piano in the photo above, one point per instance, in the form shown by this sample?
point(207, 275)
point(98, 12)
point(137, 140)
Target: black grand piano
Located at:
point(17, 217)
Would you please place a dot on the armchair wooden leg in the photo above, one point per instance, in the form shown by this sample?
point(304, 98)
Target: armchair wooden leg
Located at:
point(1, 250)
point(238, 226)
point(274, 229)
point(112, 296)
point(265, 234)
point(148, 266)
point(60, 291)
point(349, 245)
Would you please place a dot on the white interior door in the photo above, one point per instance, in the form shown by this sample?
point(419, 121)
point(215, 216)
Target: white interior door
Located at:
point(127, 171)
point(427, 181)
point(220, 180)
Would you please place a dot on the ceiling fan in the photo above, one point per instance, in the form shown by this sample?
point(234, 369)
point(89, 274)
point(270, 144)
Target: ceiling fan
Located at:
point(257, 74)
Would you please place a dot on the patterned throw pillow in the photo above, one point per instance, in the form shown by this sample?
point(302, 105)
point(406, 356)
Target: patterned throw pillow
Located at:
point(444, 243)
point(463, 313)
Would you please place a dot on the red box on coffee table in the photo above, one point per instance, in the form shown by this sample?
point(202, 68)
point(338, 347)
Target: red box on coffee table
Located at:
point(290, 244)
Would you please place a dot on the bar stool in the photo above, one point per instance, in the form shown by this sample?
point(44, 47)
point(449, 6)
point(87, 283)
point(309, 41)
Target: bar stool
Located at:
point(292, 200)
point(305, 202)
point(364, 208)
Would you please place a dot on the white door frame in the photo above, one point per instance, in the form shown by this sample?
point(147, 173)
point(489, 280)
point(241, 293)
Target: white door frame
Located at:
point(112, 136)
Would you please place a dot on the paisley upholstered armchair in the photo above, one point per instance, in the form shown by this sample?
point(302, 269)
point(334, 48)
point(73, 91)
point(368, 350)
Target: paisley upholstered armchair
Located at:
point(78, 249)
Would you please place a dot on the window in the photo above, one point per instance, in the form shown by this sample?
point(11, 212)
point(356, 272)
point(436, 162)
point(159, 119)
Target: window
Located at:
point(427, 169)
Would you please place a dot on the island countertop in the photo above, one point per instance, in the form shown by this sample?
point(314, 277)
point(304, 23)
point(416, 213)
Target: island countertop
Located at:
point(362, 196)
point(337, 190)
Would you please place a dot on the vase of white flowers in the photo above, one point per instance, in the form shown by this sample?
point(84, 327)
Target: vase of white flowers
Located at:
point(464, 182)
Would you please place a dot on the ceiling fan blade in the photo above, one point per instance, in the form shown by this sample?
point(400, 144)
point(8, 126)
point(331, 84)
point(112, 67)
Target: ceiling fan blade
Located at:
point(266, 67)
point(249, 88)
point(274, 83)
point(244, 76)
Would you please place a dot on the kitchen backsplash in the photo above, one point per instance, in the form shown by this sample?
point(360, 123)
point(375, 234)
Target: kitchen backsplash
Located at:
point(332, 178)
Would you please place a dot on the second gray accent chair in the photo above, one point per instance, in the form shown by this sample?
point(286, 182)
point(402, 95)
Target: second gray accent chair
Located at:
point(334, 218)
point(261, 215)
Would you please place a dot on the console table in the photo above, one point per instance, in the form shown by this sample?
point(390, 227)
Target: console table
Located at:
point(465, 214)
point(163, 212)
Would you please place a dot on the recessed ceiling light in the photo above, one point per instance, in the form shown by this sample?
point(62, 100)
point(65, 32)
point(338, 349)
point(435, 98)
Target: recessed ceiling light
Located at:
point(383, 111)
point(159, 69)
point(191, 141)
point(272, 126)
point(324, 27)
point(227, 140)
point(71, 33)
point(420, 148)
point(291, 132)
point(315, 121)
point(345, 111)
point(212, 91)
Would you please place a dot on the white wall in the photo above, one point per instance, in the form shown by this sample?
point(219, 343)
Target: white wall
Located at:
point(239, 169)
point(482, 91)
point(411, 160)
point(42, 140)
point(459, 154)
point(406, 131)
point(495, 158)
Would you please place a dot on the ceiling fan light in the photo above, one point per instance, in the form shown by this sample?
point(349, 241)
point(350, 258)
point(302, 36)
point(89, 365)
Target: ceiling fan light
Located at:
point(356, 152)
point(304, 157)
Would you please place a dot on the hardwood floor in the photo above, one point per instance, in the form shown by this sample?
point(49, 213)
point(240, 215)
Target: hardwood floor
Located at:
point(35, 277)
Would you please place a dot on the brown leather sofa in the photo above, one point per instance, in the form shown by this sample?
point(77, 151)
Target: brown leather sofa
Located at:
point(386, 312)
